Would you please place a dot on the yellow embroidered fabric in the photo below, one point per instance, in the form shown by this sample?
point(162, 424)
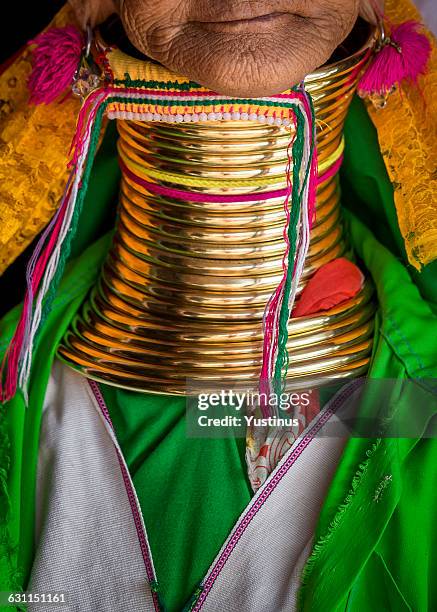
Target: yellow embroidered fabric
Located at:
point(120, 64)
point(407, 132)
point(34, 147)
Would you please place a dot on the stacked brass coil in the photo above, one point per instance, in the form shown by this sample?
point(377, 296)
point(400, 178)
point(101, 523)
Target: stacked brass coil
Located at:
point(183, 290)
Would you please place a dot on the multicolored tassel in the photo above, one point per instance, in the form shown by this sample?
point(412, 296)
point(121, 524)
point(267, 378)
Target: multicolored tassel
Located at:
point(48, 260)
point(302, 194)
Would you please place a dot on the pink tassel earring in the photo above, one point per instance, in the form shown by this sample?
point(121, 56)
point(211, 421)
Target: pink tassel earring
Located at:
point(62, 63)
point(56, 59)
point(402, 55)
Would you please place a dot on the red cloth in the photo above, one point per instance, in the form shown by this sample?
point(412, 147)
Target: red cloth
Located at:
point(334, 283)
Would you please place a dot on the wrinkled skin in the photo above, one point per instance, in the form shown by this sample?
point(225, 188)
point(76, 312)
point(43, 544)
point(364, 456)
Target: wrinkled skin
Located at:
point(235, 47)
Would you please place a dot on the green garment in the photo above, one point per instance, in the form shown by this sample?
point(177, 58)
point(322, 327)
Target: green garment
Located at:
point(376, 540)
point(183, 484)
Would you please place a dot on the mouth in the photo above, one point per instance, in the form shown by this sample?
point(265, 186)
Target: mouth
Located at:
point(249, 24)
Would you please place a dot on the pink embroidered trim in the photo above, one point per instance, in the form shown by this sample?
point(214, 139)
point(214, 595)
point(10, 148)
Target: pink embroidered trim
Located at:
point(266, 492)
point(164, 93)
point(136, 513)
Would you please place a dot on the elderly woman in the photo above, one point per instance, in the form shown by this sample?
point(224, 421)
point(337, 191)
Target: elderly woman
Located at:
point(274, 239)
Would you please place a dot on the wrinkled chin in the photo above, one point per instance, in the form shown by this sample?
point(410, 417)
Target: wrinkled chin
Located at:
point(248, 65)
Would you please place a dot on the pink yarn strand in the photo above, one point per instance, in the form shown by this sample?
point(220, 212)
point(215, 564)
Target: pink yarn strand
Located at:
point(270, 336)
point(9, 366)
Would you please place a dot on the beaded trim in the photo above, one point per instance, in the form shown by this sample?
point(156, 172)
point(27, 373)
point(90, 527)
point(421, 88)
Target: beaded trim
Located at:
point(144, 106)
point(196, 117)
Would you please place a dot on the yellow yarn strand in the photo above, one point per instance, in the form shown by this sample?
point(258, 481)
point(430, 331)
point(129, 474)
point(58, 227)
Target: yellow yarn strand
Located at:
point(188, 181)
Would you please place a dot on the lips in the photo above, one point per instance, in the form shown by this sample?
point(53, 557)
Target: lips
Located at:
point(257, 19)
point(259, 23)
point(233, 11)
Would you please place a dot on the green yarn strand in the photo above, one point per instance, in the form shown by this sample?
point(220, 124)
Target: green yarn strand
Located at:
point(66, 249)
point(282, 361)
